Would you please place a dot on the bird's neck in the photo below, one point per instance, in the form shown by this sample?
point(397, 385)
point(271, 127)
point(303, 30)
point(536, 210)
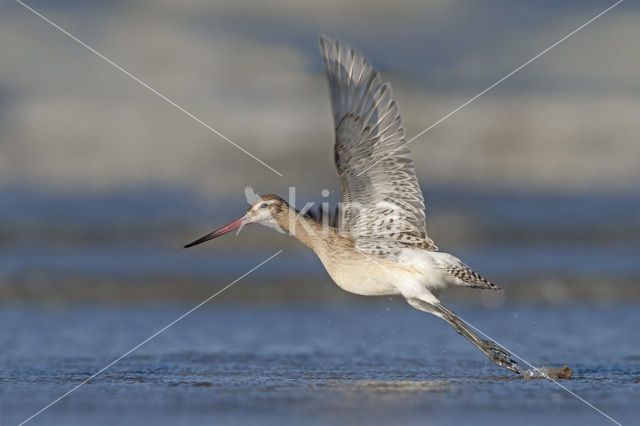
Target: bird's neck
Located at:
point(304, 229)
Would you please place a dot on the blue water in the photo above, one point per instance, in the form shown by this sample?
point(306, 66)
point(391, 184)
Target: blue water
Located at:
point(371, 363)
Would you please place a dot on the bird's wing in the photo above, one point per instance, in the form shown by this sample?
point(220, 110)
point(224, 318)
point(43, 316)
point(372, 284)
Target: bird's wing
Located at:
point(382, 206)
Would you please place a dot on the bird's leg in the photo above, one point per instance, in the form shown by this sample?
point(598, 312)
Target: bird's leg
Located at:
point(494, 352)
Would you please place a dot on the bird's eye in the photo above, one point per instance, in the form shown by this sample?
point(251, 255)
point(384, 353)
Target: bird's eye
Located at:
point(263, 205)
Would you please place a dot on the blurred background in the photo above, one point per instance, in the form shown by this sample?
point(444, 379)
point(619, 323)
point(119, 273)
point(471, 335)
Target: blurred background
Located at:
point(536, 185)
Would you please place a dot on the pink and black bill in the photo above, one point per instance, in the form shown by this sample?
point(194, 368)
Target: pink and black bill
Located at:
point(227, 228)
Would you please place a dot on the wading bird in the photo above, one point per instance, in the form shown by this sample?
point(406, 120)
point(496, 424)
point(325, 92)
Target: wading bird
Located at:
point(377, 244)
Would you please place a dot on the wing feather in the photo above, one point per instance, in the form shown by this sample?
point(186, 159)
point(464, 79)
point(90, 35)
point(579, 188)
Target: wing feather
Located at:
point(383, 207)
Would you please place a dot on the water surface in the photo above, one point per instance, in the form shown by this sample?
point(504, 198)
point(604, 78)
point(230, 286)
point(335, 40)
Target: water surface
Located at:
point(371, 363)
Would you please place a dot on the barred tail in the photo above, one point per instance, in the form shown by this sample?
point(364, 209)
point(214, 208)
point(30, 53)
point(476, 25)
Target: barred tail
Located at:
point(471, 278)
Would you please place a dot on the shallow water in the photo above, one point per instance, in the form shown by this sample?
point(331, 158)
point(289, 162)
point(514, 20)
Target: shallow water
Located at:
point(371, 363)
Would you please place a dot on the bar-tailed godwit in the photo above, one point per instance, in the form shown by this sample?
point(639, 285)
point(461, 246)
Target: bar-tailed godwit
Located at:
point(378, 245)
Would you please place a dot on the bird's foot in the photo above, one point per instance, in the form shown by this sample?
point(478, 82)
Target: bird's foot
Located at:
point(500, 356)
point(493, 347)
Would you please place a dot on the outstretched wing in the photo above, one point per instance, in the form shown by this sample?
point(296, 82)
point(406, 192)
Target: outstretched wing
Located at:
point(383, 208)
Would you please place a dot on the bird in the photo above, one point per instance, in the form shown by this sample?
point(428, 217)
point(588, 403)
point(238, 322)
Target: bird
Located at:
point(376, 244)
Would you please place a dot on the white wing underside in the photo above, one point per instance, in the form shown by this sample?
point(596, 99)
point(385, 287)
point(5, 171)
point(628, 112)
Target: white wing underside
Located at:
point(383, 208)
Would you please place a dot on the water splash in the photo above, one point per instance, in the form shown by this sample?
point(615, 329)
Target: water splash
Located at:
point(546, 372)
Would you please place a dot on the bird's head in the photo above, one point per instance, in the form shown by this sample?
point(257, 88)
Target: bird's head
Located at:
point(267, 210)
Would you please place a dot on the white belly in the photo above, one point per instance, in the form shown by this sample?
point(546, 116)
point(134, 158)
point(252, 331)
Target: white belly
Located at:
point(368, 278)
point(367, 285)
point(415, 274)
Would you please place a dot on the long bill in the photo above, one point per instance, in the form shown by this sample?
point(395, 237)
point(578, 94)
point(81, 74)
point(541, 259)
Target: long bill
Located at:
point(227, 228)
